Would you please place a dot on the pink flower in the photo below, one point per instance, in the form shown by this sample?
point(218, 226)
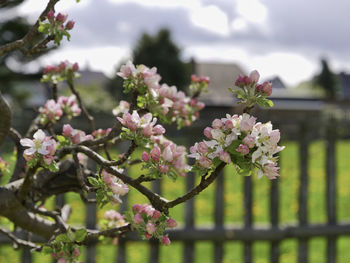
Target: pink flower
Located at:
point(126, 70)
point(247, 122)
point(249, 141)
point(228, 124)
point(225, 157)
point(166, 240)
point(204, 79)
point(168, 154)
point(50, 15)
point(76, 252)
point(41, 144)
point(242, 148)
point(271, 170)
point(61, 260)
point(202, 147)
point(172, 223)
point(147, 130)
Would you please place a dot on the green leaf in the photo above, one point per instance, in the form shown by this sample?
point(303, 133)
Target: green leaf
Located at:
point(47, 250)
point(80, 235)
point(61, 139)
point(93, 181)
point(62, 238)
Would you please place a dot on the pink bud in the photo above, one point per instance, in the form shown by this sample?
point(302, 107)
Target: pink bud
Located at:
point(172, 223)
point(155, 153)
point(61, 260)
point(156, 214)
point(202, 147)
point(166, 240)
point(243, 149)
point(265, 88)
point(50, 15)
point(254, 76)
point(249, 141)
point(147, 130)
point(145, 157)
point(76, 252)
point(70, 25)
point(217, 124)
point(194, 78)
point(204, 79)
point(228, 124)
point(225, 157)
point(207, 133)
point(136, 208)
point(61, 17)
point(204, 162)
point(158, 130)
point(148, 236)
point(75, 66)
point(163, 168)
point(138, 219)
point(150, 228)
point(67, 130)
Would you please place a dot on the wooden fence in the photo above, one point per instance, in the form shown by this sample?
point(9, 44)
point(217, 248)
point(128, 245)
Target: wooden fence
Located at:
point(248, 233)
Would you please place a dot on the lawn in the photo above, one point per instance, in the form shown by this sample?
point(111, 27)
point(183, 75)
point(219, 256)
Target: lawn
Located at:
point(204, 207)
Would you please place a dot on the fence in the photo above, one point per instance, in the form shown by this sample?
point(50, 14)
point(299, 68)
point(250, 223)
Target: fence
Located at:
point(248, 233)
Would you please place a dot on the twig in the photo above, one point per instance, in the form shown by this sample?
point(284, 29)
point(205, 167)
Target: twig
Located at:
point(80, 174)
point(20, 43)
point(205, 182)
point(81, 105)
point(93, 235)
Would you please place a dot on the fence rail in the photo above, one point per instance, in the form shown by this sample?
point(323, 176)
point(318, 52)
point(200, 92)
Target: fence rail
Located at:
point(249, 232)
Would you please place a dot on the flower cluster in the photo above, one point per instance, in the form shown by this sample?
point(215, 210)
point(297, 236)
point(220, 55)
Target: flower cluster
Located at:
point(40, 150)
point(241, 139)
point(122, 108)
point(150, 222)
point(64, 71)
point(163, 101)
point(61, 257)
point(74, 136)
point(53, 111)
point(3, 167)
point(116, 185)
point(56, 26)
point(250, 91)
point(199, 84)
point(165, 158)
point(101, 132)
point(138, 128)
point(114, 219)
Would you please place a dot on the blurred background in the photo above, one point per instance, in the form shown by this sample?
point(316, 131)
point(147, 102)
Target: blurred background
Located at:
point(301, 47)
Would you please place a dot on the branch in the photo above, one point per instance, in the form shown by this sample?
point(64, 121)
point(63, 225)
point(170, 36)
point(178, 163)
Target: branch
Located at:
point(19, 44)
point(20, 161)
point(205, 182)
point(18, 241)
point(93, 235)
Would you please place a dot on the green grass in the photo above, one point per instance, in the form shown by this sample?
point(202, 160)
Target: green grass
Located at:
point(233, 210)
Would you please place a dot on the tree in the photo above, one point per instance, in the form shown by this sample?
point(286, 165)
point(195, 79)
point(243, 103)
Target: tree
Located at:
point(160, 51)
point(49, 162)
point(328, 81)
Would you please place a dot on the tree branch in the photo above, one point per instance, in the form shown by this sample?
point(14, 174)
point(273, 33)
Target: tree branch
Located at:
point(5, 123)
point(18, 241)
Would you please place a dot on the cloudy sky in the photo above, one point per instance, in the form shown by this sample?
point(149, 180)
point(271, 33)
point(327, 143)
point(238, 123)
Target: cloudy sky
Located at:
point(285, 38)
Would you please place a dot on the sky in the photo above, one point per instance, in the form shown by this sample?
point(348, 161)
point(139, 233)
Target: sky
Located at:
point(278, 38)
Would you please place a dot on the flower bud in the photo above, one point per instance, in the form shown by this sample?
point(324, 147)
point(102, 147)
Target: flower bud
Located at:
point(243, 149)
point(156, 214)
point(61, 17)
point(145, 157)
point(207, 133)
point(166, 240)
point(70, 25)
point(50, 15)
point(172, 223)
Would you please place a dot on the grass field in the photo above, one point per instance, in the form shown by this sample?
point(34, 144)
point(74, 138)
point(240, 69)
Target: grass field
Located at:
point(204, 207)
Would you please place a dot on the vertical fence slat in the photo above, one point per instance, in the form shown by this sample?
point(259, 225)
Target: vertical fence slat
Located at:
point(26, 255)
point(331, 190)
point(274, 218)
point(154, 245)
point(248, 216)
point(188, 252)
point(303, 192)
point(219, 216)
point(91, 210)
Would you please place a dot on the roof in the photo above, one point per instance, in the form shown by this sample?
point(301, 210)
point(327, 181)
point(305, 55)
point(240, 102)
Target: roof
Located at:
point(222, 76)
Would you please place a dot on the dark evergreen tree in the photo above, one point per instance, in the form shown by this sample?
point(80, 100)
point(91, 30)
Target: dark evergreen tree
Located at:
point(328, 81)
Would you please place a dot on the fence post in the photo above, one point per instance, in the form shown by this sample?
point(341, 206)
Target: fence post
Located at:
point(188, 253)
point(274, 218)
point(331, 187)
point(248, 216)
point(219, 216)
point(303, 191)
point(154, 244)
